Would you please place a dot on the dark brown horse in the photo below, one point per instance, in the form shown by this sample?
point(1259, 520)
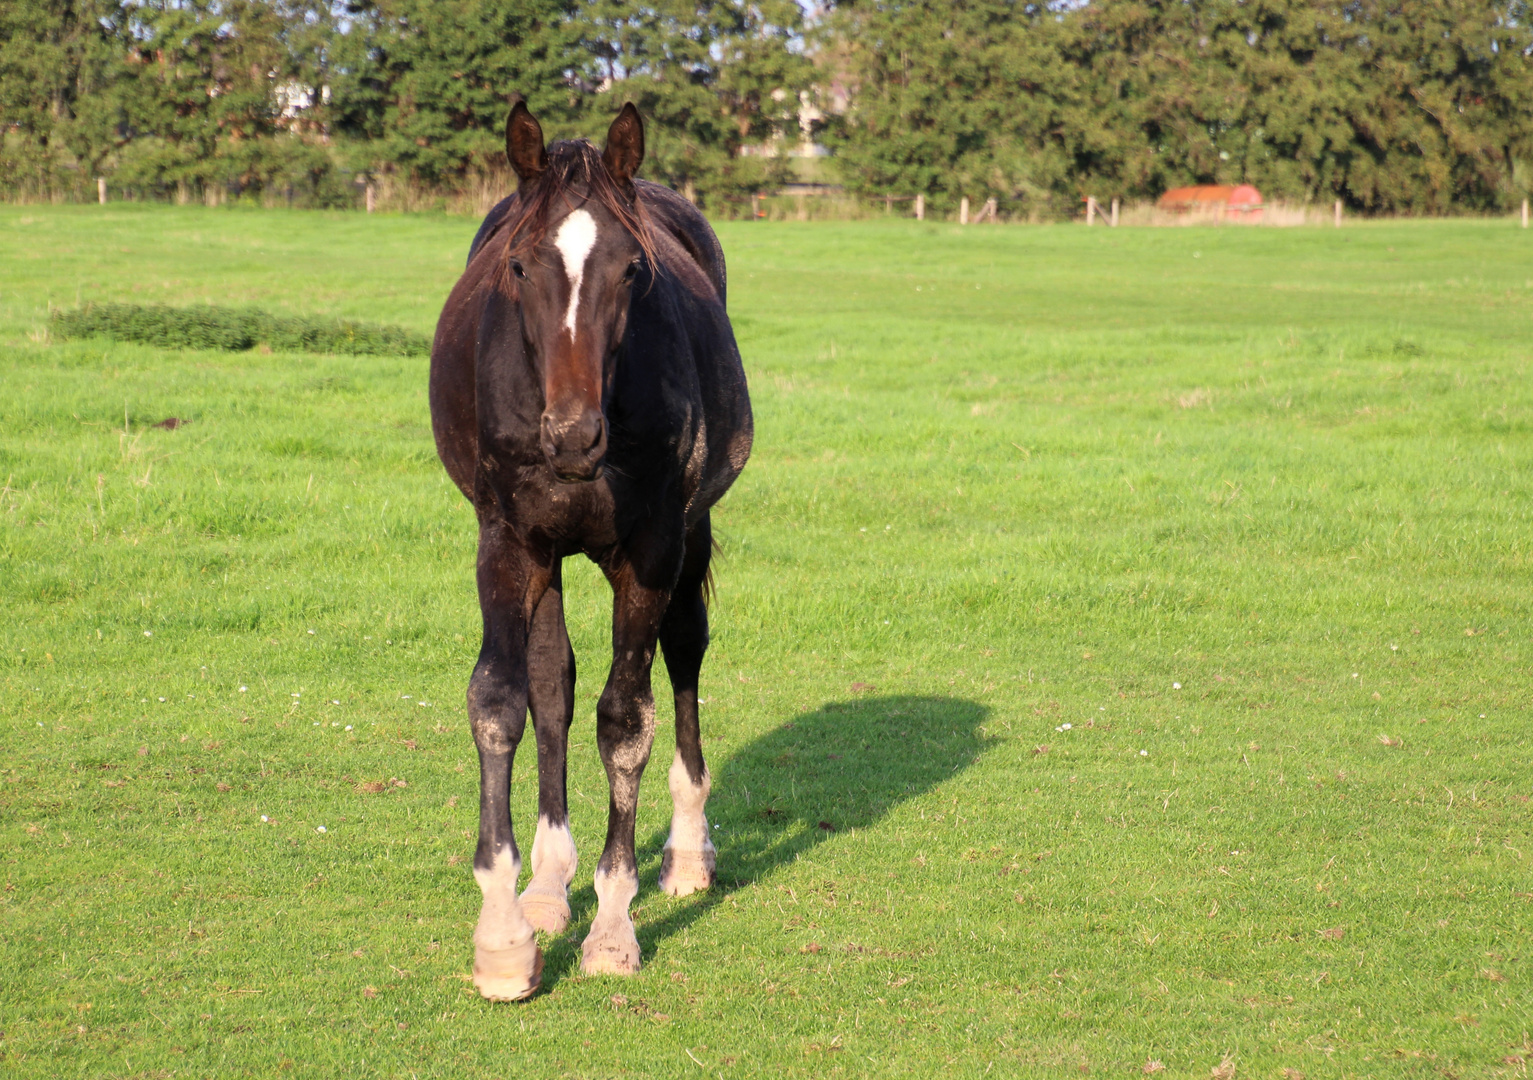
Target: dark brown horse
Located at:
point(586, 396)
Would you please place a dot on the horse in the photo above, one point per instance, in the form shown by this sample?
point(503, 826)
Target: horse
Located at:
point(587, 396)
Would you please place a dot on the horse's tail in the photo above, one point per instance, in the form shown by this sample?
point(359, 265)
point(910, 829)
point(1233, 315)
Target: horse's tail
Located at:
point(715, 550)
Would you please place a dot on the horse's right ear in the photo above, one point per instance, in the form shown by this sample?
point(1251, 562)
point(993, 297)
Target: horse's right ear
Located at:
point(524, 143)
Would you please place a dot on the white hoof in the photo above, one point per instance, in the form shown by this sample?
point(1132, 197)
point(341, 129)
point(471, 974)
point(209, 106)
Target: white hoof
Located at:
point(508, 974)
point(610, 950)
point(684, 873)
point(546, 907)
point(508, 965)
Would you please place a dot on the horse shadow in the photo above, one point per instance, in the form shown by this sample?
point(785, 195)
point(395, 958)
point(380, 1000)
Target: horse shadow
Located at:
point(841, 767)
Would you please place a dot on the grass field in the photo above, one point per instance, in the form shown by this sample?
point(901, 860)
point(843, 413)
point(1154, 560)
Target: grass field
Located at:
point(1121, 657)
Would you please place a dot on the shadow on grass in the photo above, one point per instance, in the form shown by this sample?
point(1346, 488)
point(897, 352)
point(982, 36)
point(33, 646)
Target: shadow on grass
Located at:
point(841, 767)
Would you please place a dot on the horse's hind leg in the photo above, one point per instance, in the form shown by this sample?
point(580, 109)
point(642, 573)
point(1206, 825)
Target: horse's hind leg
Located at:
point(688, 863)
point(551, 680)
point(625, 730)
point(507, 963)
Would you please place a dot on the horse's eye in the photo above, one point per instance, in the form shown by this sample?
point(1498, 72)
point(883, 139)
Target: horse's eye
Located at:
point(516, 268)
point(632, 271)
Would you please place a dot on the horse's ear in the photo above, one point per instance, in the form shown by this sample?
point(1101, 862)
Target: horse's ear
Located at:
point(624, 152)
point(524, 143)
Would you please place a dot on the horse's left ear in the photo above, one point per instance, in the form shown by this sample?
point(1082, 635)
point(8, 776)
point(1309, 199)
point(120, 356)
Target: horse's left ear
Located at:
point(624, 152)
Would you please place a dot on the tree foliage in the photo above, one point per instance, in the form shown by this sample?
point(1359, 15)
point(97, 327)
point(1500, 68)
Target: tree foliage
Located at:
point(220, 98)
point(424, 85)
point(59, 63)
point(1408, 106)
point(1391, 105)
point(713, 76)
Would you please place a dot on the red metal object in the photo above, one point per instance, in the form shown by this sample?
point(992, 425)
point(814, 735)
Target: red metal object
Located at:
point(1242, 202)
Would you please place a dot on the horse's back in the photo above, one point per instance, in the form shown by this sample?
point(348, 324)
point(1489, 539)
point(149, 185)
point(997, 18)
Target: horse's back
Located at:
point(685, 223)
point(492, 221)
point(694, 265)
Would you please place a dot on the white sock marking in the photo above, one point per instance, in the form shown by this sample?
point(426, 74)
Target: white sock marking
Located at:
point(501, 922)
point(553, 852)
point(614, 892)
point(575, 239)
point(689, 827)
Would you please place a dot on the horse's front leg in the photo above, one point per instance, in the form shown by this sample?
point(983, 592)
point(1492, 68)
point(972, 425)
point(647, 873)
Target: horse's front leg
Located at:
point(551, 695)
point(625, 730)
point(508, 965)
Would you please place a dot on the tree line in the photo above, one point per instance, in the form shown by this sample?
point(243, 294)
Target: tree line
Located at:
point(1394, 106)
point(193, 99)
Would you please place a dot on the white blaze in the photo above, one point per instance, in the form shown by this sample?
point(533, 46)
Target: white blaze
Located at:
point(575, 239)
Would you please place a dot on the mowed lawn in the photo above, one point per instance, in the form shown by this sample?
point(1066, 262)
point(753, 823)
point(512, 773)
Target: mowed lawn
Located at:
point(1121, 663)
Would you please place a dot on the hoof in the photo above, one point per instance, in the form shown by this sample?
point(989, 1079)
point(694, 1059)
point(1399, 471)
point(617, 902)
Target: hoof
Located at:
point(508, 974)
point(613, 951)
point(683, 875)
point(546, 908)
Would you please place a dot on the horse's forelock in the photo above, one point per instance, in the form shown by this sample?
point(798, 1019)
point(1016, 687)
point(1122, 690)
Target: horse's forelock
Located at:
point(575, 164)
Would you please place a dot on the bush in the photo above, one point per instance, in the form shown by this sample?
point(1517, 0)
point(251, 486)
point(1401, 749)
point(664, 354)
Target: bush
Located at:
point(235, 328)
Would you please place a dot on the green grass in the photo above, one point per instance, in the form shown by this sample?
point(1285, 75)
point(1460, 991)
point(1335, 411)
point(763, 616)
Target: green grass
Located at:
point(1005, 479)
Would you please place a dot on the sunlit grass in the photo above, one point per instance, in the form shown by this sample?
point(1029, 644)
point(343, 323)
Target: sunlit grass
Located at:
point(1248, 510)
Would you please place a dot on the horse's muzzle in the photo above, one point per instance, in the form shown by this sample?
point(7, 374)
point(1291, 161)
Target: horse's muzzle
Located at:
point(575, 445)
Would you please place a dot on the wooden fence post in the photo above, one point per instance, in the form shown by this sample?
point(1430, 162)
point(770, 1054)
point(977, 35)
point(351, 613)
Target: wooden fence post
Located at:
point(1524, 209)
point(1091, 210)
point(1115, 213)
point(1338, 213)
point(963, 210)
point(101, 198)
point(371, 196)
point(920, 207)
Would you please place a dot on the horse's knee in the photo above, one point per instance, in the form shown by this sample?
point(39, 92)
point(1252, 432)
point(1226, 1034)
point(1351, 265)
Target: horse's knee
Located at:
point(625, 728)
point(497, 709)
point(623, 716)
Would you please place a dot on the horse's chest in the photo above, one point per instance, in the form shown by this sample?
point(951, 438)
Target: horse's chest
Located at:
point(586, 516)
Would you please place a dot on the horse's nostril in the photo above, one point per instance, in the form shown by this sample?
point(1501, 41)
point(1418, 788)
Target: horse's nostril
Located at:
point(575, 444)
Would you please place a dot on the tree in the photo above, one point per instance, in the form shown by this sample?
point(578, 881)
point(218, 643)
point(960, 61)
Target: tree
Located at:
point(200, 97)
point(953, 99)
point(710, 78)
point(427, 84)
point(1404, 106)
point(59, 112)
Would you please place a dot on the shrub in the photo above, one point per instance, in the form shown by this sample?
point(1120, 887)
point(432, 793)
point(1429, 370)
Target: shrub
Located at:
point(235, 328)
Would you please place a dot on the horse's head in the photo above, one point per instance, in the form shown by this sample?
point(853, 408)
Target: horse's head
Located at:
point(573, 259)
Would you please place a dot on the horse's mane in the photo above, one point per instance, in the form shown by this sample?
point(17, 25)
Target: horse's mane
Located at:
point(574, 164)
